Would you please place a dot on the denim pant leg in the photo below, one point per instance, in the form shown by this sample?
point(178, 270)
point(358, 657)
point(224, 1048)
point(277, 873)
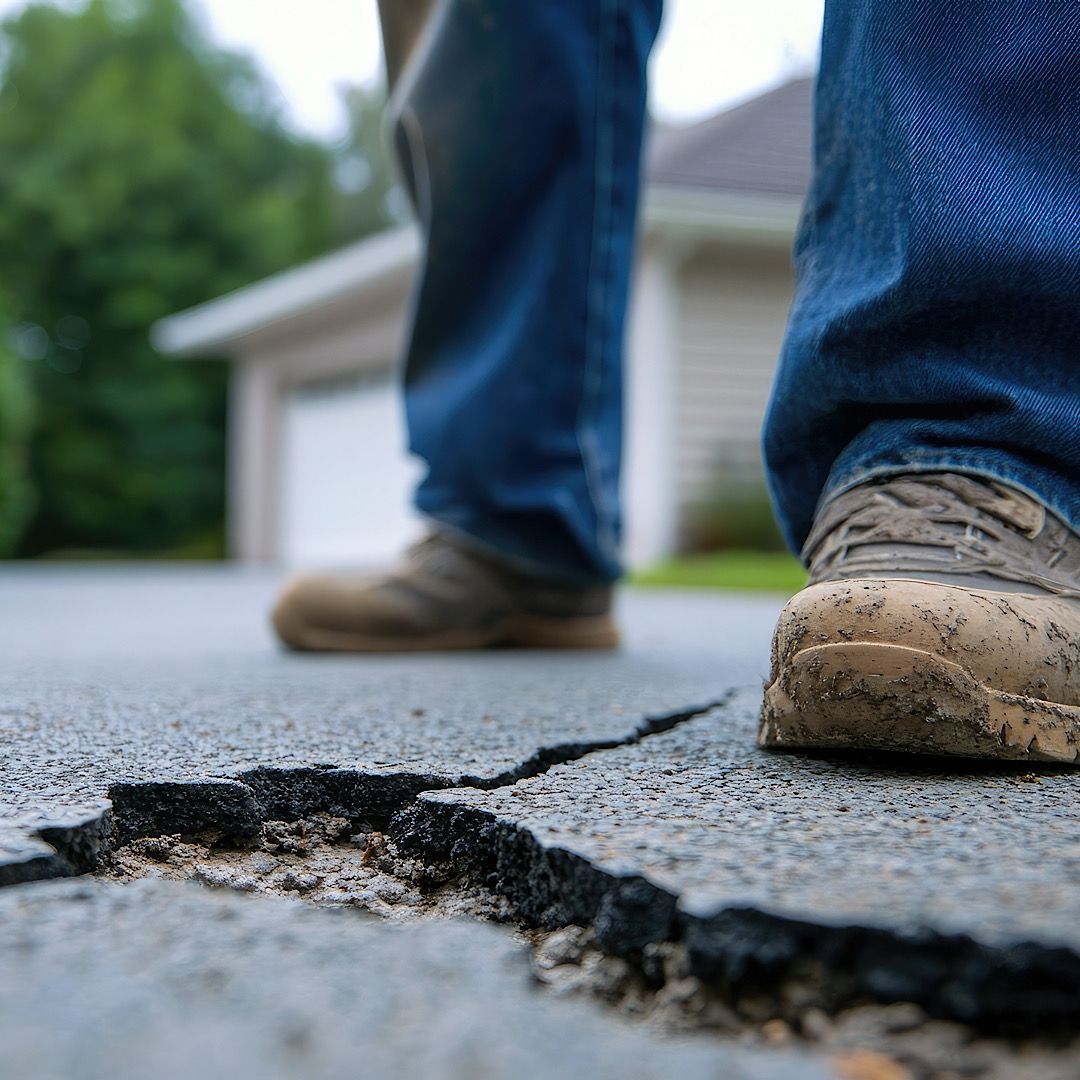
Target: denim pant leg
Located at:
point(519, 128)
point(936, 323)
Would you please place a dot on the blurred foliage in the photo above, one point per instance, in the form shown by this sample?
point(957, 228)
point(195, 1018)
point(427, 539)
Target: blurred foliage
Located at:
point(737, 515)
point(369, 196)
point(15, 491)
point(745, 571)
point(143, 170)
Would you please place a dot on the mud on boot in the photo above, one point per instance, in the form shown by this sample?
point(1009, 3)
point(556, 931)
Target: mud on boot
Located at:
point(942, 617)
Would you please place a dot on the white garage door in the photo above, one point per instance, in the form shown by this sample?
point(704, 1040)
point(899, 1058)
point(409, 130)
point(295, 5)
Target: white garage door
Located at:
point(346, 476)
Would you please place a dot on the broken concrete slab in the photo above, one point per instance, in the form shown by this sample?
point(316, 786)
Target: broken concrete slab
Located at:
point(128, 705)
point(109, 982)
point(956, 886)
point(180, 748)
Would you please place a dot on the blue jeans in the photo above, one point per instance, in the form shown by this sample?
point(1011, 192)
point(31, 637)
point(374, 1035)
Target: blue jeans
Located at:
point(936, 323)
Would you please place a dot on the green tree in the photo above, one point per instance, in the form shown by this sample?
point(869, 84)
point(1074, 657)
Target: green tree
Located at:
point(369, 195)
point(15, 491)
point(142, 170)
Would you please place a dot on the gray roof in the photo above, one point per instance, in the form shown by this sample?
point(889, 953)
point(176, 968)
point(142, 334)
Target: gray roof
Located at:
point(761, 147)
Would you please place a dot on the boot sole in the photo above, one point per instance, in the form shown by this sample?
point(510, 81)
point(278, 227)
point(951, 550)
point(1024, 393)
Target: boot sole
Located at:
point(528, 632)
point(870, 696)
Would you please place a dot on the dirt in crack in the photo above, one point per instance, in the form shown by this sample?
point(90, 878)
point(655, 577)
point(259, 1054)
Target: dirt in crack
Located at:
point(865, 1042)
point(321, 858)
point(330, 860)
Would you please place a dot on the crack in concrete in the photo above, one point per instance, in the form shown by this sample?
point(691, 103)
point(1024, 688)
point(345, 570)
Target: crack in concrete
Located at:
point(749, 952)
point(325, 862)
point(742, 957)
point(237, 806)
point(548, 757)
point(71, 849)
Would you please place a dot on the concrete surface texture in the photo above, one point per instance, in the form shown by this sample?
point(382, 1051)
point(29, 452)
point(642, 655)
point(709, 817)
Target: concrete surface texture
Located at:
point(171, 981)
point(954, 886)
point(158, 691)
point(622, 793)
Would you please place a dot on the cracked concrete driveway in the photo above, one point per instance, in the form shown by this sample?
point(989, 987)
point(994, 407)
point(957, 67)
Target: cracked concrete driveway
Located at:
point(620, 792)
point(160, 693)
point(956, 887)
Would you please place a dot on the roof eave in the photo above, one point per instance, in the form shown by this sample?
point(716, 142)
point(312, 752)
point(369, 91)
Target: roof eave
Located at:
point(219, 325)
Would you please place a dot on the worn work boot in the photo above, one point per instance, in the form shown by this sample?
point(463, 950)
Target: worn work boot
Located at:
point(942, 617)
point(442, 596)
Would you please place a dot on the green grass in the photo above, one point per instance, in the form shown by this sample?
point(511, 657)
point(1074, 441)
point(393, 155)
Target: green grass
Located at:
point(751, 571)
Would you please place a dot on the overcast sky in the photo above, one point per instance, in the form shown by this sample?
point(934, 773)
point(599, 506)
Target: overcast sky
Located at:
point(711, 52)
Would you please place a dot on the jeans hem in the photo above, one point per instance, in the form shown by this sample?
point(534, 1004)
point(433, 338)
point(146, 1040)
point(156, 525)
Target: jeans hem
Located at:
point(522, 564)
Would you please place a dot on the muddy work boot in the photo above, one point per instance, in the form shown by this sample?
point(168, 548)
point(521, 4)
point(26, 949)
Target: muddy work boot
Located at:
point(442, 596)
point(942, 617)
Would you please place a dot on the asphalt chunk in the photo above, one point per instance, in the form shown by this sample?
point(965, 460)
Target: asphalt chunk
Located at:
point(954, 886)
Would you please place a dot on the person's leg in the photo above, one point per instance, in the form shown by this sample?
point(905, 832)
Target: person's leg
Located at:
point(923, 441)
point(519, 128)
point(936, 323)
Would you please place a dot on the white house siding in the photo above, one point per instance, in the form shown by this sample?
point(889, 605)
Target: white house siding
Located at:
point(732, 310)
point(318, 469)
point(346, 479)
point(648, 459)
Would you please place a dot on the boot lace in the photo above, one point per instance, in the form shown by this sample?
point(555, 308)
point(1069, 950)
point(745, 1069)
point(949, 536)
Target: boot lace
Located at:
point(943, 523)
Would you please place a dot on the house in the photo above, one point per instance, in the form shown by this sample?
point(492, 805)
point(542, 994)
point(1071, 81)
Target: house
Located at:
point(318, 471)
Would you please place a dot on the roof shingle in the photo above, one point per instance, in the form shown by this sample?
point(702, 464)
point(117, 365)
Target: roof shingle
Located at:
point(761, 147)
